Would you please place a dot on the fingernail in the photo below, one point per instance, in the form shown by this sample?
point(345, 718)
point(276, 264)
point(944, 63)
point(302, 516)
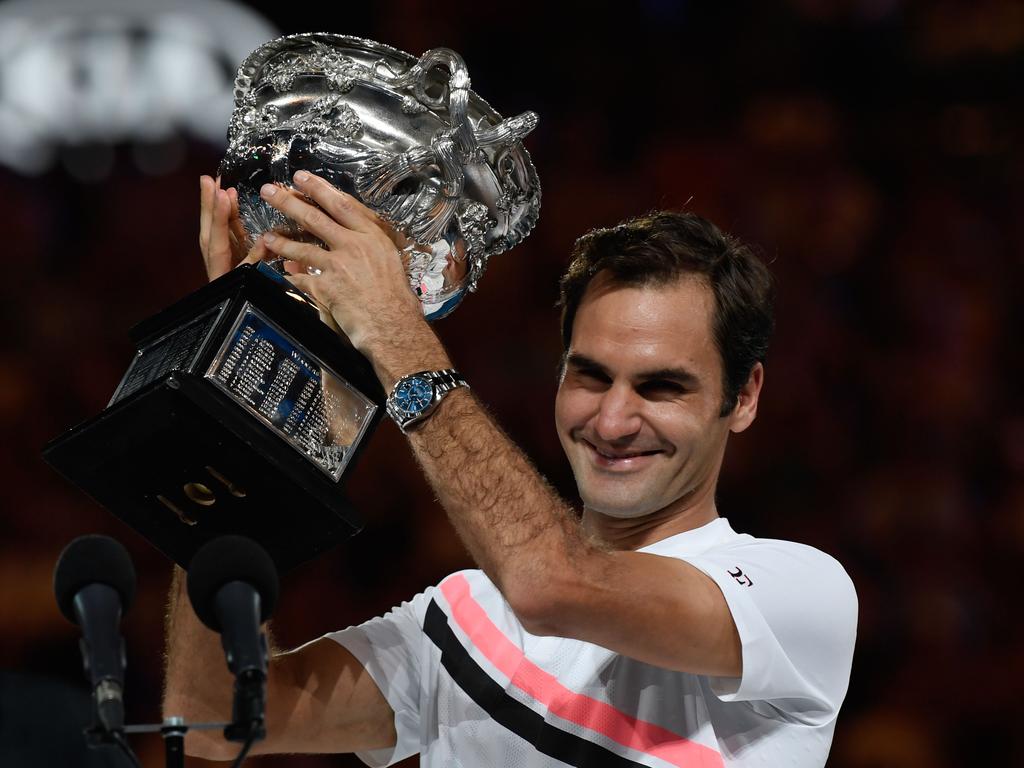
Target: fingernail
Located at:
point(268, 190)
point(301, 176)
point(269, 237)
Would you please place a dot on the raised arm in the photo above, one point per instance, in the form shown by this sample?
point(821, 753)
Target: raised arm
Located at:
point(518, 530)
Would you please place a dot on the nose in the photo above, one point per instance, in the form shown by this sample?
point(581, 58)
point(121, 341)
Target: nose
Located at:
point(618, 415)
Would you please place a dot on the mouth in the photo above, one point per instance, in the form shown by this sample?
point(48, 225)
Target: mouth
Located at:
point(609, 458)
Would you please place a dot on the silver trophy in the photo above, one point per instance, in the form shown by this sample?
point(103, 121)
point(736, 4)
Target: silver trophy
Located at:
point(406, 136)
point(242, 412)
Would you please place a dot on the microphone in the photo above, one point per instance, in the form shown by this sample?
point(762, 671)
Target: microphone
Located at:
point(233, 586)
point(94, 581)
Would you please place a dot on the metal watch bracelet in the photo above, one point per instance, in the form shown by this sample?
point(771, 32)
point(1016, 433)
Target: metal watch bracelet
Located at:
point(442, 382)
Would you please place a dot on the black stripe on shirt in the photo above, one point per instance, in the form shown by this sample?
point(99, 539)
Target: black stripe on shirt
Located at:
point(512, 714)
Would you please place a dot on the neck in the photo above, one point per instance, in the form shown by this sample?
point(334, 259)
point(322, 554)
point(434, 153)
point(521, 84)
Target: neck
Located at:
point(622, 533)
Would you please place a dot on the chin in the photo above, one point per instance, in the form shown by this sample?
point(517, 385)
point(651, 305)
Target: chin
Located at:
point(612, 508)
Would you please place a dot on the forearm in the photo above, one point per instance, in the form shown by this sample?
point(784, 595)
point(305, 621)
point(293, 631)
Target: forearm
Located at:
point(197, 683)
point(517, 529)
point(319, 698)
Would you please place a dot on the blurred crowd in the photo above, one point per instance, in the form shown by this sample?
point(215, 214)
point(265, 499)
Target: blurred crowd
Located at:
point(867, 148)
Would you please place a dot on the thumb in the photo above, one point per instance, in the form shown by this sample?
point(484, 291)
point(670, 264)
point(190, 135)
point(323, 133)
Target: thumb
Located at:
point(259, 252)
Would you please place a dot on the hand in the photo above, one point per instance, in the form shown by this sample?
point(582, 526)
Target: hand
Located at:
point(222, 238)
point(362, 281)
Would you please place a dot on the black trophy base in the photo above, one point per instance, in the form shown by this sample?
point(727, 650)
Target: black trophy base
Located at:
point(194, 446)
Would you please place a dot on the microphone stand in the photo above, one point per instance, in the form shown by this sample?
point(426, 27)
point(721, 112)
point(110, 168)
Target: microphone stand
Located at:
point(248, 708)
point(173, 731)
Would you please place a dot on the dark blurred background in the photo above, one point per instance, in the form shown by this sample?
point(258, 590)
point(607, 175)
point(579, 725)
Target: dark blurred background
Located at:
point(868, 148)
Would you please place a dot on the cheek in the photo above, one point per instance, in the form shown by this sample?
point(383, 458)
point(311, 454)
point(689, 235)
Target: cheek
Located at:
point(702, 444)
point(688, 433)
point(561, 414)
point(571, 408)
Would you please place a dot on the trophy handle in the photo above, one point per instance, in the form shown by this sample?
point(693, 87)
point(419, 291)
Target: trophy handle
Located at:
point(427, 215)
point(454, 96)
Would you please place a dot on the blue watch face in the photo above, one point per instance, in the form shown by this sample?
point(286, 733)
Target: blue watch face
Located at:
point(414, 395)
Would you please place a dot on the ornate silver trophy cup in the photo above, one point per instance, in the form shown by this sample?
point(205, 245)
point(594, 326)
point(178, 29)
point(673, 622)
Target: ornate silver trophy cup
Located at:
point(242, 412)
point(408, 137)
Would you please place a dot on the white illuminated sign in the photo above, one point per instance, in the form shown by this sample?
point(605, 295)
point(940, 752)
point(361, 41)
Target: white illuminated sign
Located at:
point(101, 72)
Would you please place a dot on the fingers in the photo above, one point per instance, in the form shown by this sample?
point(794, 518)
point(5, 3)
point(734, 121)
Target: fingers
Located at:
point(235, 221)
point(344, 209)
point(220, 227)
point(218, 253)
point(334, 216)
point(307, 216)
point(206, 190)
point(333, 211)
point(306, 254)
point(257, 253)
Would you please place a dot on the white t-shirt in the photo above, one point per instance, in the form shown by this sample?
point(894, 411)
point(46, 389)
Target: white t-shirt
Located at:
point(471, 688)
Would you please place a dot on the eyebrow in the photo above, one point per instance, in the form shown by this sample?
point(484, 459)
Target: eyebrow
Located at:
point(585, 364)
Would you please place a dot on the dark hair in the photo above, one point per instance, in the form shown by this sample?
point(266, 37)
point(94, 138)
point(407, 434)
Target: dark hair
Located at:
point(664, 246)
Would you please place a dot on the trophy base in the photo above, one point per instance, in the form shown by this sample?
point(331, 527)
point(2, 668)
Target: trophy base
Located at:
point(215, 430)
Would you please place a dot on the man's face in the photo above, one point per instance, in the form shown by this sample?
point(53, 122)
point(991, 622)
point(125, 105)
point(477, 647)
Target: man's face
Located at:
point(637, 409)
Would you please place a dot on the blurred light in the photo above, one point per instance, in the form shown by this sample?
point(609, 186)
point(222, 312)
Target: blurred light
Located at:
point(954, 29)
point(801, 123)
point(832, 10)
point(84, 75)
point(969, 130)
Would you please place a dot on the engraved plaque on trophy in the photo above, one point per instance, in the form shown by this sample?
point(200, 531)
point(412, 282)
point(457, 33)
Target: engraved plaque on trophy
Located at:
point(242, 411)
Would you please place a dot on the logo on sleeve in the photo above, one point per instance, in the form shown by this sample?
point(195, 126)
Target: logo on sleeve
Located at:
point(741, 578)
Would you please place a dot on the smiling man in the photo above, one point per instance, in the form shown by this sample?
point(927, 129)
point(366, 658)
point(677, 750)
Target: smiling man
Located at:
point(641, 630)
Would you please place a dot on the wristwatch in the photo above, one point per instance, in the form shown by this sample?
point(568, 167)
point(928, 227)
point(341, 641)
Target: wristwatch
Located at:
point(417, 395)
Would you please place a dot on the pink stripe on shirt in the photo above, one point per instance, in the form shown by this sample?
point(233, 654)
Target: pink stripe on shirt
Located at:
point(543, 687)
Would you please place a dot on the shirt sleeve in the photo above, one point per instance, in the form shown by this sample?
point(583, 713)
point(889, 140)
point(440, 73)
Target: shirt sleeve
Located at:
point(390, 648)
point(795, 610)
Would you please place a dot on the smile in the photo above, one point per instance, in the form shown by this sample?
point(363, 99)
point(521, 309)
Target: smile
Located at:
point(619, 459)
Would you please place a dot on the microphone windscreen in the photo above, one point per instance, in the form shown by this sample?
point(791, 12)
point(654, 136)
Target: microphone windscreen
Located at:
point(92, 559)
point(227, 559)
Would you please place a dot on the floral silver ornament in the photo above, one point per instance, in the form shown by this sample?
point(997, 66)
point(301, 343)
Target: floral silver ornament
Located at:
point(406, 136)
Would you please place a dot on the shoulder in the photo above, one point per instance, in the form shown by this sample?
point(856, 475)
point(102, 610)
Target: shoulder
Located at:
point(795, 609)
point(776, 560)
point(785, 579)
point(786, 564)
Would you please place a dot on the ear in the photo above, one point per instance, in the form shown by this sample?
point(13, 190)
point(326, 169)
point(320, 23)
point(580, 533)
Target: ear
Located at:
point(745, 412)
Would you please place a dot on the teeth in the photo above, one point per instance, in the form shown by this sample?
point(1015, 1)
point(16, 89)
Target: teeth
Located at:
point(620, 455)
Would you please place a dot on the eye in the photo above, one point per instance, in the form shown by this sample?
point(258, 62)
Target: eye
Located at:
point(661, 388)
point(590, 378)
